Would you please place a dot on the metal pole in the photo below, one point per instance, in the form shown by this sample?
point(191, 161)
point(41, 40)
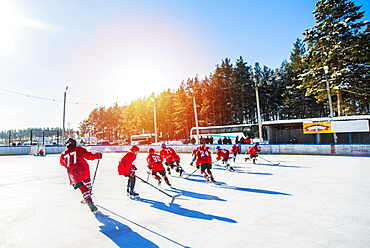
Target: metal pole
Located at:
point(196, 116)
point(64, 114)
point(258, 109)
point(326, 69)
point(155, 124)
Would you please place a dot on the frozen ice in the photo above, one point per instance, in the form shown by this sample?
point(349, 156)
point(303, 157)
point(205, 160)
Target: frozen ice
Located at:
point(304, 201)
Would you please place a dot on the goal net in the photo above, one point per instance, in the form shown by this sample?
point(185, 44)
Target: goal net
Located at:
point(37, 150)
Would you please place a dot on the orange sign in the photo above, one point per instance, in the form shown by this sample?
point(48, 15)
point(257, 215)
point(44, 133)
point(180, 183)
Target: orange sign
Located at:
point(317, 127)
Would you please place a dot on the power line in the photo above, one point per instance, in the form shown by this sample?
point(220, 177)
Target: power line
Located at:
point(46, 99)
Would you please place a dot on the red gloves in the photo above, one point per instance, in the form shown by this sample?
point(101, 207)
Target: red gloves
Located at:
point(132, 171)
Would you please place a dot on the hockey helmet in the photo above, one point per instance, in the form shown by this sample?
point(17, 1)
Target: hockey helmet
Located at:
point(218, 147)
point(256, 144)
point(151, 150)
point(71, 142)
point(135, 149)
point(163, 145)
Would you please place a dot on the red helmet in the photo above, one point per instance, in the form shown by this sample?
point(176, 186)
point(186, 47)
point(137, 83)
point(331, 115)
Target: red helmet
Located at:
point(135, 149)
point(151, 150)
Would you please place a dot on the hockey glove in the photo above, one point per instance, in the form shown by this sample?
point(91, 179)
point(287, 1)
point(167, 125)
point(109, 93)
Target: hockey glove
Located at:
point(132, 173)
point(100, 155)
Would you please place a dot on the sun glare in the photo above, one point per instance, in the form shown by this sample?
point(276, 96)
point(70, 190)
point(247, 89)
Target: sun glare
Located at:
point(11, 22)
point(8, 27)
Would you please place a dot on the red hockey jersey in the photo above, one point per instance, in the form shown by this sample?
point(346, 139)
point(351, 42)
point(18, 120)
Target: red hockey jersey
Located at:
point(169, 154)
point(155, 162)
point(77, 167)
point(222, 154)
point(125, 165)
point(203, 157)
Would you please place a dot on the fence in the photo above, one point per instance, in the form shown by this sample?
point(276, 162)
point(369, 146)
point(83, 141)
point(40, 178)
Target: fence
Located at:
point(314, 149)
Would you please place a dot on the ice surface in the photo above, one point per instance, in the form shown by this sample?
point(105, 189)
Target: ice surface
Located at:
point(305, 201)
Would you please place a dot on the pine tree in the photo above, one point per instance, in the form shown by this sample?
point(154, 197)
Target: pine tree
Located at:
point(183, 112)
point(205, 94)
point(243, 93)
point(296, 104)
point(221, 84)
point(335, 42)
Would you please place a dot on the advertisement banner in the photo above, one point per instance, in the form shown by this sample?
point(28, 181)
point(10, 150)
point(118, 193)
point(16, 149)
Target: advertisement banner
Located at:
point(317, 127)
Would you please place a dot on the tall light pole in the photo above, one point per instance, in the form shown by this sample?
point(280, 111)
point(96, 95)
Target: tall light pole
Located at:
point(64, 114)
point(258, 108)
point(195, 113)
point(326, 69)
point(155, 120)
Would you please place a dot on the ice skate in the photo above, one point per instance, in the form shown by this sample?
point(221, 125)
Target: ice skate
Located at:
point(213, 180)
point(207, 179)
point(92, 207)
point(133, 194)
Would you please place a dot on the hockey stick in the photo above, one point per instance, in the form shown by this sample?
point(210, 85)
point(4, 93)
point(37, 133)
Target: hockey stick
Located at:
point(192, 173)
point(148, 176)
point(172, 196)
point(92, 184)
point(268, 160)
point(96, 170)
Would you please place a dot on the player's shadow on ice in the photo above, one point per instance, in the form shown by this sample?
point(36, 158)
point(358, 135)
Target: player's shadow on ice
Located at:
point(259, 173)
point(121, 234)
point(177, 209)
point(279, 165)
point(259, 191)
point(200, 195)
point(197, 179)
point(222, 168)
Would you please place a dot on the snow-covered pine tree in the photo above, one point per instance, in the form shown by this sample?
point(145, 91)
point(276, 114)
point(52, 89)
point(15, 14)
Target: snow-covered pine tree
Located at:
point(336, 41)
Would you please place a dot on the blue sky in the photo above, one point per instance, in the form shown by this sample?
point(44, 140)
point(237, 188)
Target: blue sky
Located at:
point(118, 51)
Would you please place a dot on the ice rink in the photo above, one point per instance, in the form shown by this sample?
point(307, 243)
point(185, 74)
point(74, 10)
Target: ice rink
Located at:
point(305, 201)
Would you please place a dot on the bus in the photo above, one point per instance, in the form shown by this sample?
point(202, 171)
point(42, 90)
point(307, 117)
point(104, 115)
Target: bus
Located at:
point(143, 139)
point(230, 131)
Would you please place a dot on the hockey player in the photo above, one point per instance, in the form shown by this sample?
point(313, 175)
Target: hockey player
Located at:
point(127, 169)
point(253, 153)
point(204, 162)
point(74, 159)
point(155, 165)
point(41, 153)
point(194, 154)
point(235, 149)
point(224, 155)
point(171, 159)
